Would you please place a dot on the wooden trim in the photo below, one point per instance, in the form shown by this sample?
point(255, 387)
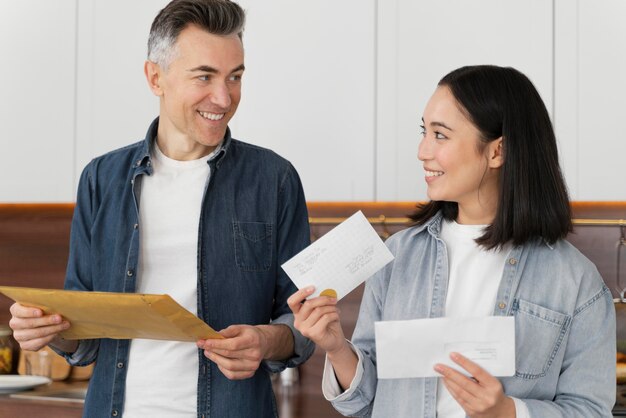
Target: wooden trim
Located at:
point(332, 213)
point(599, 222)
point(383, 220)
point(25, 209)
point(396, 213)
point(313, 206)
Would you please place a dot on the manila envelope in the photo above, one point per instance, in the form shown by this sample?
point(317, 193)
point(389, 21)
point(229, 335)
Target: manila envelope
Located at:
point(115, 315)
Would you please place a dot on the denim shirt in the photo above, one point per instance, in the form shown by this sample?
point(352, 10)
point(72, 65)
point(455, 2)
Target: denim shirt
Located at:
point(253, 219)
point(564, 328)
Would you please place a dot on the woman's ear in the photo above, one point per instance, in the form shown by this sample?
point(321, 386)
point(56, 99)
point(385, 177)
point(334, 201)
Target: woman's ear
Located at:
point(153, 76)
point(496, 154)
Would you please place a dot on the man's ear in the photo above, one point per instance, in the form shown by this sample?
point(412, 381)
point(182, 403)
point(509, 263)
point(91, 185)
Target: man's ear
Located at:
point(153, 75)
point(496, 153)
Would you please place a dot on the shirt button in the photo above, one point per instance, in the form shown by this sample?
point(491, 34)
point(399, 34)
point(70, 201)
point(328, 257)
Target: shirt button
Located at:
point(120, 365)
point(501, 305)
point(129, 273)
point(512, 261)
point(114, 412)
point(135, 226)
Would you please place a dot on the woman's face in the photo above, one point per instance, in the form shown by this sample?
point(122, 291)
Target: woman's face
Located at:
point(455, 169)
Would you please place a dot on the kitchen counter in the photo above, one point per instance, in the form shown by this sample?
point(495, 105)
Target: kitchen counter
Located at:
point(303, 399)
point(298, 401)
point(46, 401)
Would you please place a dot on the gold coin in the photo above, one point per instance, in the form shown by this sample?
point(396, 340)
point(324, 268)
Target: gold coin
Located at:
point(332, 293)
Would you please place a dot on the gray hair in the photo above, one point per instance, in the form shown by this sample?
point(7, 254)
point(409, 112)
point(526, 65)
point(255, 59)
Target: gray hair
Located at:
point(218, 17)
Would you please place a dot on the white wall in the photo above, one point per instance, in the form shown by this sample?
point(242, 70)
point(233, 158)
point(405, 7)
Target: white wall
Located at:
point(590, 102)
point(114, 104)
point(420, 42)
point(37, 74)
point(309, 91)
point(335, 86)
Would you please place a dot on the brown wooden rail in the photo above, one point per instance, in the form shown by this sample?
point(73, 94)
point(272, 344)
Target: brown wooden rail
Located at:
point(383, 220)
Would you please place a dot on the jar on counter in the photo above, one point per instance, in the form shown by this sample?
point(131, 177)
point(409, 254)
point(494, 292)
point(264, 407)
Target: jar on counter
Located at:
point(8, 351)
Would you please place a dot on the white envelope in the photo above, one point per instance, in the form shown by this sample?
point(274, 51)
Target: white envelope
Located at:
point(340, 260)
point(406, 349)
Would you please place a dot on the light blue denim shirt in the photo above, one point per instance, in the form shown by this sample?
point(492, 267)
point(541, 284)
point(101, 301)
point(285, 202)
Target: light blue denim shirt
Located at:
point(564, 328)
point(253, 219)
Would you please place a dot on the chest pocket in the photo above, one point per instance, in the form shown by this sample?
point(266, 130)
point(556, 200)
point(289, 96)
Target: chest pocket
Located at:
point(253, 245)
point(539, 333)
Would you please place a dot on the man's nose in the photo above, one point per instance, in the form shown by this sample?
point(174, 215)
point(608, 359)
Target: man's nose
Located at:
point(220, 95)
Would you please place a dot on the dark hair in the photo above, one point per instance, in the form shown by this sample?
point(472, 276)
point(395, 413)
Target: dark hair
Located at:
point(532, 196)
point(218, 17)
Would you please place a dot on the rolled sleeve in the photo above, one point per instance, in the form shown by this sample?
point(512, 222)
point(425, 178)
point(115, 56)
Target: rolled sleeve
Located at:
point(330, 386)
point(302, 347)
point(357, 399)
point(521, 410)
point(84, 355)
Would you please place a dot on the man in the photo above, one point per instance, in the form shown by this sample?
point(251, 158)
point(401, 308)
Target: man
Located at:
point(194, 213)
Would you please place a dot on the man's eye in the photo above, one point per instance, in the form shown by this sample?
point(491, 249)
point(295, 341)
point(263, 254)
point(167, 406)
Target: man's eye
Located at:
point(235, 77)
point(204, 78)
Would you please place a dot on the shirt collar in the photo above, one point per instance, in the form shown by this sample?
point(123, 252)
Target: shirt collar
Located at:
point(434, 225)
point(143, 159)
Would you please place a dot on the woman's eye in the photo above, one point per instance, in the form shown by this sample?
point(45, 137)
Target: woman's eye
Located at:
point(422, 130)
point(439, 135)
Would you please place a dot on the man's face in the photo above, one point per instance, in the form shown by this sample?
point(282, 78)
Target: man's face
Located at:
point(200, 91)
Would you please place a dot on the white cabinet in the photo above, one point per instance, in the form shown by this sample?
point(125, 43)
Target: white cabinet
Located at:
point(590, 96)
point(420, 42)
point(309, 91)
point(37, 113)
point(336, 87)
point(114, 103)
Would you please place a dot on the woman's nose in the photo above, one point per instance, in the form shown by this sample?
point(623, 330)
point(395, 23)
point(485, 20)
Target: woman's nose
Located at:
point(423, 150)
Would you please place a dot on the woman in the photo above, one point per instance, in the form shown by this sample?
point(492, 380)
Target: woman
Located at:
point(490, 242)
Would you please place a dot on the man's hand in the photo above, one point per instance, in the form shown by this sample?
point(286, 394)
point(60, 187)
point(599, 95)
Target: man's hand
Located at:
point(244, 347)
point(480, 397)
point(33, 330)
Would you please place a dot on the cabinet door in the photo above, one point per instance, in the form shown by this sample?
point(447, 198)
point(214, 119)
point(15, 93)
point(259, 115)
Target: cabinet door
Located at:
point(309, 91)
point(420, 42)
point(114, 104)
point(590, 96)
point(37, 43)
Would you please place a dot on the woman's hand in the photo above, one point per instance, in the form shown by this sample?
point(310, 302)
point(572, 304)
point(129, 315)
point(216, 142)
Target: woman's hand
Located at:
point(481, 396)
point(318, 319)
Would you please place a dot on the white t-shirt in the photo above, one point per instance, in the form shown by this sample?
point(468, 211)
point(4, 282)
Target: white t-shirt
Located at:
point(162, 379)
point(474, 275)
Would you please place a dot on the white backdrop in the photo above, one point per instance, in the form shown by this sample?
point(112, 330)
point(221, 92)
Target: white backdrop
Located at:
point(335, 86)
